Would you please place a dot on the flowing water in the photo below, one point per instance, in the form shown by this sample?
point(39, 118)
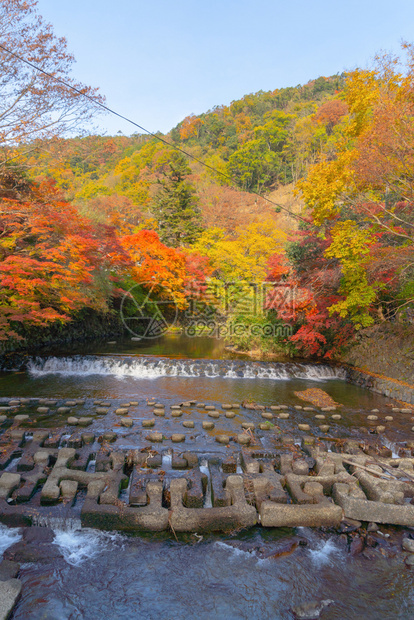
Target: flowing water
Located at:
point(111, 576)
point(244, 575)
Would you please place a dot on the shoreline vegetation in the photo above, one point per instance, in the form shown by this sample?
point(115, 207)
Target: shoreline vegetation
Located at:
point(284, 219)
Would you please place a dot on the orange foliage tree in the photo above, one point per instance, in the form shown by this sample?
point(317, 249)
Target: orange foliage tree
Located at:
point(330, 113)
point(53, 262)
point(170, 271)
point(190, 127)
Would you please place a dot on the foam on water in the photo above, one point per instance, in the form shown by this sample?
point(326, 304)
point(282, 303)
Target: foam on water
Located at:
point(91, 467)
point(204, 469)
point(235, 551)
point(166, 461)
point(391, 446)
point(153, 368)
point(324, 552)
point(84, 544)
point(68, 524)
point(8, 536)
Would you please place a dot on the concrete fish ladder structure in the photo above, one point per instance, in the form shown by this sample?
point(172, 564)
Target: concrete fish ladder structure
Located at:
point(130, 491)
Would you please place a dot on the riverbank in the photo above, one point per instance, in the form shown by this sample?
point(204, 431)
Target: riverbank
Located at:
point(385, 350)
point(382, 360)
point(393, 388)
point(87, 327)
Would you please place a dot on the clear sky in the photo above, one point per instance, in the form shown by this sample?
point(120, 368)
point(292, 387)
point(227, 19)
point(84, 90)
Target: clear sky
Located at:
point(156, 61)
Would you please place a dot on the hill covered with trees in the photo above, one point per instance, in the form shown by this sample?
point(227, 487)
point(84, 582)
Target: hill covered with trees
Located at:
point(305, 191)
point(258, 143)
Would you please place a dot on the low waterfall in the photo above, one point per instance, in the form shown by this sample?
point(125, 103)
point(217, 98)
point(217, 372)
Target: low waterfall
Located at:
point(153, 368)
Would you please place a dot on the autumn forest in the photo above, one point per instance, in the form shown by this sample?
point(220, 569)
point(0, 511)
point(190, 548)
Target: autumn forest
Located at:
point(308, 189)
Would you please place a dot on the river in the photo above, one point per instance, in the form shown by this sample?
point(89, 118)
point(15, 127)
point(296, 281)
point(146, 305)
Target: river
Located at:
point(256, 574)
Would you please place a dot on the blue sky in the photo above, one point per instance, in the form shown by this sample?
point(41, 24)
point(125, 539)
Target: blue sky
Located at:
point(156, 62)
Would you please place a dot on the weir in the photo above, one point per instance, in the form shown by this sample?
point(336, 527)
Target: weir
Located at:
point(153, 367)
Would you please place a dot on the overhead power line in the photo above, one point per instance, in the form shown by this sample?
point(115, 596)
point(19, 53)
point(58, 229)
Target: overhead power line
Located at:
point(150, 133)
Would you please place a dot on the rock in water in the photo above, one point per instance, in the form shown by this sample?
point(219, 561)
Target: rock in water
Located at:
point(9, 595)
point(312, 610)
point(357, 545)
point(408, 545)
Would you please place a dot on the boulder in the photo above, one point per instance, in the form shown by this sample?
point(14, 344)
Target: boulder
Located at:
point(177, 437)
point(408, 545)
point(324, 428)
point(127, 422)
point(84, 421)
point(9, 595)
point(243, 439)
point(224, 439)
point(148, 423)
point(267, 415)
point(8, 570)
point(265, 426)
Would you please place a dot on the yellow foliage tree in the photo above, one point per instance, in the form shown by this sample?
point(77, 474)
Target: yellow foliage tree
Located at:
point(241, 256)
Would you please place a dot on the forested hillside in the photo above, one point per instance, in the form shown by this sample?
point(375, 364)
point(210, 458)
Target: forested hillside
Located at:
point(307, 189)
point(258, 143)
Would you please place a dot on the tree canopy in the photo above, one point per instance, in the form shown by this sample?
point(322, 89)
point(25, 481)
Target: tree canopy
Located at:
point(32, 103)
point(83, 219)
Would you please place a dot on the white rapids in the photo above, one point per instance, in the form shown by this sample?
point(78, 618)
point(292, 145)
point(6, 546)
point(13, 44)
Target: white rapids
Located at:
point(153, 368)
point(78, 545)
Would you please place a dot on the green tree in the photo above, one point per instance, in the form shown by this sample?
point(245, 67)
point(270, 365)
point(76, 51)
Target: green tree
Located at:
point(176, 207)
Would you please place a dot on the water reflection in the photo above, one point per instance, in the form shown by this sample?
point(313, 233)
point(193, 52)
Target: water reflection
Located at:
point(174, 345)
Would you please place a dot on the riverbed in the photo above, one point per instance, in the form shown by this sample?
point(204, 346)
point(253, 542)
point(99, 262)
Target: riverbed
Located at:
point(260, 573)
